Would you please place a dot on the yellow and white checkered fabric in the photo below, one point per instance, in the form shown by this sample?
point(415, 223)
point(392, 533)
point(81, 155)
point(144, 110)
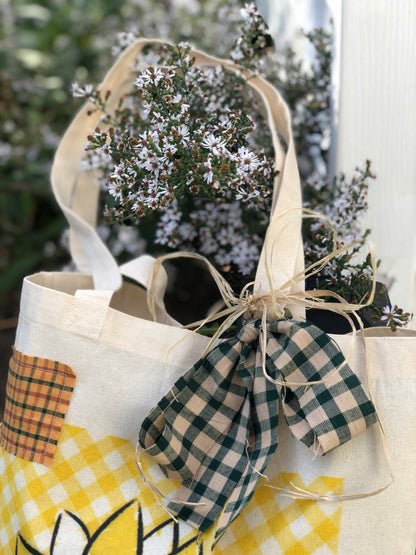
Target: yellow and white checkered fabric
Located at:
point(92, 483)
point(273, 524)
point(87, 485)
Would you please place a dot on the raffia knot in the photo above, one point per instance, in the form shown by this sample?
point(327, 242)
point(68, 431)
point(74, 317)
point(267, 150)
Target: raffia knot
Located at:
point(256, 304)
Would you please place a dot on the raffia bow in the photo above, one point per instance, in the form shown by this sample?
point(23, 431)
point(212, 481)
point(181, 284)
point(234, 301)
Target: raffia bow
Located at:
point(216, 429)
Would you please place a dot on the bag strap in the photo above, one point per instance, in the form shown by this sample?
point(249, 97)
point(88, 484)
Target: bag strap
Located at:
point(77, 191)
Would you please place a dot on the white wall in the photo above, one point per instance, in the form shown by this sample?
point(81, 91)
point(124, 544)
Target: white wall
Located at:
point(377, 120)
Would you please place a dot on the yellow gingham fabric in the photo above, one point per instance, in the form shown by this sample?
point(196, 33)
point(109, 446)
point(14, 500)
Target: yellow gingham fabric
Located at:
point(92, 483)
point(273, 524)
point(89, 485)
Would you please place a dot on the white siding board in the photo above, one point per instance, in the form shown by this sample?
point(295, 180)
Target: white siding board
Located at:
point(377, 120)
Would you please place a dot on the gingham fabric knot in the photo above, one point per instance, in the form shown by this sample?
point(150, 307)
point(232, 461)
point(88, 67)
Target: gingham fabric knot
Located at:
point(216, 429)
point(249, 333)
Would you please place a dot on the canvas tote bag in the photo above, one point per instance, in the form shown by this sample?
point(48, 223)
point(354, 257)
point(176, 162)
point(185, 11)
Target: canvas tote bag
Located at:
point(89, 364)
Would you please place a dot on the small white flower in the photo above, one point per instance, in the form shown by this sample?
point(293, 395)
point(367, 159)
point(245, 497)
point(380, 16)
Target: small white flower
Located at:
point(176, 98)
point(115, 190)
point(184, 44)
point(236, 54)
point(148, 76)
point(187, 231)
point(242, 195)
point(246, 267)
point(84, 91)
point(208, 174)
point(95, 160)
point(248, 160)
point(390, 315)
point(209, 246)
point(128, 240)
point(213, 143)
point(168, 150)
point(222, 258)
point(183, 133)
point(125, 39)
point(6, 152)
point(184, 108)
point(153, 164)
point(249, 11)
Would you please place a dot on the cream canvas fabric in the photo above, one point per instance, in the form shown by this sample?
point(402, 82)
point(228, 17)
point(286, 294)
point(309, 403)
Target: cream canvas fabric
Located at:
point(120, 374)
point(384, 523)
point(92, 499)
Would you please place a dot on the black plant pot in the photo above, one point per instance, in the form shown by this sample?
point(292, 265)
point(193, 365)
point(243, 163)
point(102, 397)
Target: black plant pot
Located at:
point(330, 322)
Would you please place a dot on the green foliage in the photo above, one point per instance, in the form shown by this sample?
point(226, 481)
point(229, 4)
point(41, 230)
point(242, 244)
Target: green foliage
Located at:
point(43, 47)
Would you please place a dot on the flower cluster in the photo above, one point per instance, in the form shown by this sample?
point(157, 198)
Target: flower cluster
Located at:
point(249, 48)
point(342, 202)
point(184, 137)
point(221, 232)
point(188, 140)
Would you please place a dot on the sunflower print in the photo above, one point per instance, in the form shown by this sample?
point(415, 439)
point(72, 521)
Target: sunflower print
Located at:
point(122, 532)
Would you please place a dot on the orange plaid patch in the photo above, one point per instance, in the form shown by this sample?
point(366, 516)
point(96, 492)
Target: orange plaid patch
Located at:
point(38, 394)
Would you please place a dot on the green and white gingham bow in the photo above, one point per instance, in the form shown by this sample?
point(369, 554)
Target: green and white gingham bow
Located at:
point(216, 429)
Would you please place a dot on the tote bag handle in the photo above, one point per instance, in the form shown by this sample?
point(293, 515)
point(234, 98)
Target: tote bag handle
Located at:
point(77, 191)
